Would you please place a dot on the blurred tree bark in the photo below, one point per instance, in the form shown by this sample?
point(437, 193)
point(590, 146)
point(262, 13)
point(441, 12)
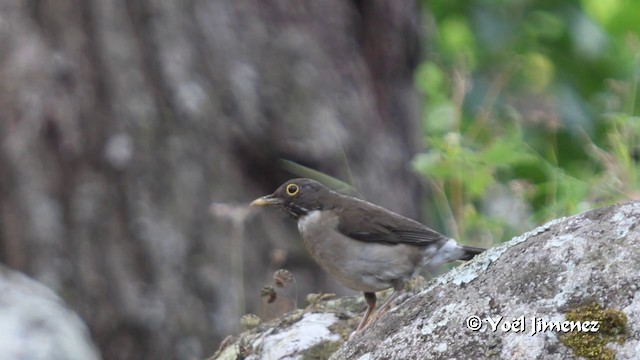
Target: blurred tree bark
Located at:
point(122, 121)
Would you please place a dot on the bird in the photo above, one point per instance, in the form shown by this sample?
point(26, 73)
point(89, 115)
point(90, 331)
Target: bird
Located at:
point(363, 246)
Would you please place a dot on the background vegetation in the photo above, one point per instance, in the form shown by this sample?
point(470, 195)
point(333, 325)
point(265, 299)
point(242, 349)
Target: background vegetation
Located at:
point(530, 111)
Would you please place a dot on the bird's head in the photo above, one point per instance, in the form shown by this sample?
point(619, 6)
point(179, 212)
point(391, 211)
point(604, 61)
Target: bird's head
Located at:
point(298, 197)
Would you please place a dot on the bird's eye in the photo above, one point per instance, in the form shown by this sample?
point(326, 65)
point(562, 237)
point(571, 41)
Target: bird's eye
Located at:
point(292, 189)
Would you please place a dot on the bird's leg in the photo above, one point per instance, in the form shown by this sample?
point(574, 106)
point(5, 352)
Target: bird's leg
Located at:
point(370, 298)
point(398, 287)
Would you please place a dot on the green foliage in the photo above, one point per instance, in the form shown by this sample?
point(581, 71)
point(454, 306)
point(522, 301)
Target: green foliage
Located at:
point(530, 111)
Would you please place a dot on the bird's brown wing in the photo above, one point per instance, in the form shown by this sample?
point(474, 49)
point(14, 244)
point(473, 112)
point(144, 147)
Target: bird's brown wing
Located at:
point(371, 223)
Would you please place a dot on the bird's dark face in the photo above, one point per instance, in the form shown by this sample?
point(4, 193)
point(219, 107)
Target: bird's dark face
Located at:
point(298, 197)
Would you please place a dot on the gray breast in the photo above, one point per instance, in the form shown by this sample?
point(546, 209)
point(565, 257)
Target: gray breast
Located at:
point(355, 264)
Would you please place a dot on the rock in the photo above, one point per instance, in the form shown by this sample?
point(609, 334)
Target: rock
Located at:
point(588, 263)
point(35, 324)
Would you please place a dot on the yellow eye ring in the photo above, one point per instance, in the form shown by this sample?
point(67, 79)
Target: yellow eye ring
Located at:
point(292, 189)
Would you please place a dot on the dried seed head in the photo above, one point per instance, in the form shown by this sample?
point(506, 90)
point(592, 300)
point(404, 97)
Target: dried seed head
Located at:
point(249, 321)
point(315, 298)
point(283, 277)
point(270, 293)
point(244, 348)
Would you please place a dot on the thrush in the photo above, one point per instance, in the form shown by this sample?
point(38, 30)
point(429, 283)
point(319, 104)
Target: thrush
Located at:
point(363, 246)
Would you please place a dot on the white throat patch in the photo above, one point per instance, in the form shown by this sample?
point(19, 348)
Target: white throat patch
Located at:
point(313, 217)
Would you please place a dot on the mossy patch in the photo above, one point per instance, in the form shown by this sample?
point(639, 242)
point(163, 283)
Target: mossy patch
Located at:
point(345, 328)
point(322, 351)
point(592, 345)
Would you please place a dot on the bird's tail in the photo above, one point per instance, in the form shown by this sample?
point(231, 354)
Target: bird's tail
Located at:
point(470, 252)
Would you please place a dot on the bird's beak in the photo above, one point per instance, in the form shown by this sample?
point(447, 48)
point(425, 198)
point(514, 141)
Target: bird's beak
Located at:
point(266, 200)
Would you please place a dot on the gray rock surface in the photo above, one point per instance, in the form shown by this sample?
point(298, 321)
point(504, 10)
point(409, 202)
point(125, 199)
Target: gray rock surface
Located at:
point(544, 274)
point(35, 325)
